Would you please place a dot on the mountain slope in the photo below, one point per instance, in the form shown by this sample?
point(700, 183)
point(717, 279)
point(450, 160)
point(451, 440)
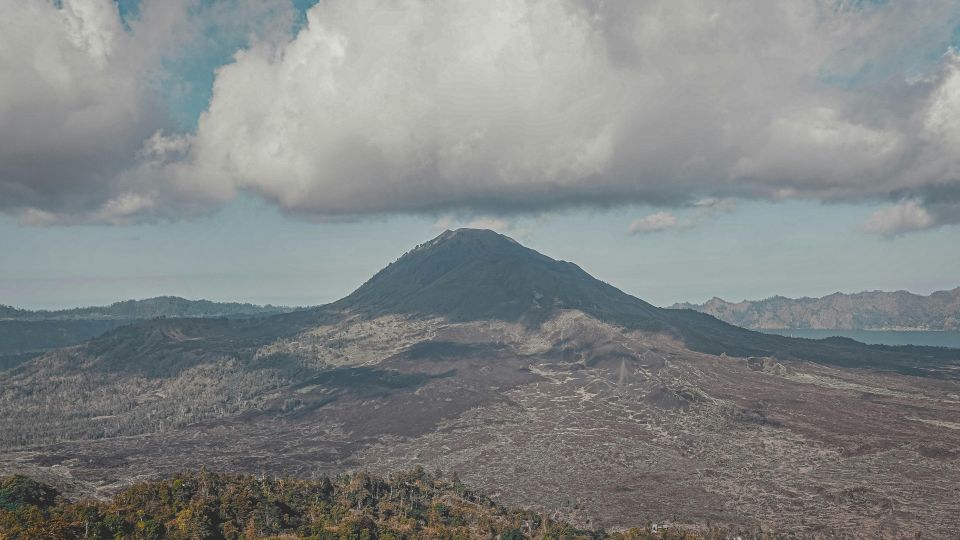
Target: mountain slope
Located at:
point(23, 332)
point(472, 274)
point(873, 310)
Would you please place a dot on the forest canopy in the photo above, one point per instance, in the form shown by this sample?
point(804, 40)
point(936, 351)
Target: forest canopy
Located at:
point(206, 505)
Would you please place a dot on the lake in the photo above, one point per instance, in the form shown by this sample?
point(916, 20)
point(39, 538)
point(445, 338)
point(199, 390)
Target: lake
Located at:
point(880, 337)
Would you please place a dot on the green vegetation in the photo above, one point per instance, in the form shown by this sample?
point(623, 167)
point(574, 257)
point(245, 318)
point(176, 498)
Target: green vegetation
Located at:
point(17, 491)
point(204, 505)
point(23, 337)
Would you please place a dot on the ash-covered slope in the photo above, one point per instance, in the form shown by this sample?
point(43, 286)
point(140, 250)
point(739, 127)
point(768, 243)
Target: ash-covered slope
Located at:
point(471, 274)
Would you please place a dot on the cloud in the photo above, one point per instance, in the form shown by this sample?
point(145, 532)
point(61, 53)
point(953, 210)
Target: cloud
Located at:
point(516, 227)
point(706, 209)
point(73, 108)
point(698, 212)
point(905, 216)
point(452, 221)
point(660, 221)
point(917, 210)
point(713, 205)
point(416, 107)
point(503, 107)
point(83, 101)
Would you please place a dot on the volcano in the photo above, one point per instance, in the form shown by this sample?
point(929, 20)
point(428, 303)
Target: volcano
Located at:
point(526, 376)
point(471, 274)
point(474, 274)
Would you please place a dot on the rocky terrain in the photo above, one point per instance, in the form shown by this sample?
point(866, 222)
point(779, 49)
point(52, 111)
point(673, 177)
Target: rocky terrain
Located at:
point(533, 381)
point(874, 310)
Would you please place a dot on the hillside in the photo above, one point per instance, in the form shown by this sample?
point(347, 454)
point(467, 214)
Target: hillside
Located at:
point(408, 504)
point(23, 332)
point(874, 310)
point(536, 382)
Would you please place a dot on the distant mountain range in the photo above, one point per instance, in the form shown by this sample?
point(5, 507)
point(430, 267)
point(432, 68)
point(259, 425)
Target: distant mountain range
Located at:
point(871, 310)
point(150, 308)
point(24, 332)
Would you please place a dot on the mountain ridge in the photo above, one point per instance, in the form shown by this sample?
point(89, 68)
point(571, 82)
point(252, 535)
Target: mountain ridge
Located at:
point(29, 332)
point(146, 308)
point(867, 310)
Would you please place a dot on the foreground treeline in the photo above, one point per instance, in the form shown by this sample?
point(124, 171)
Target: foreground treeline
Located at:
point(204, 505)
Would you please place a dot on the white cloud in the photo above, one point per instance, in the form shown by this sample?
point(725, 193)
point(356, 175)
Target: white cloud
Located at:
point(660, 221)
point(904, 217)
point(451, 221)
point(708, 208)
point(80, 104)
point(73, 109)
point(379, 106)
point(699, 212)
point(411, 107)
point(515, 227)
point(715, 204)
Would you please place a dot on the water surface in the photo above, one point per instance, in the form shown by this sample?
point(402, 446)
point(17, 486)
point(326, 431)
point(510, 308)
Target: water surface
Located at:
point(880, 337)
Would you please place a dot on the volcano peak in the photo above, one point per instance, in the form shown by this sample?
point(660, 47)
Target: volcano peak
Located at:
point(474, 274)
point(483, 239)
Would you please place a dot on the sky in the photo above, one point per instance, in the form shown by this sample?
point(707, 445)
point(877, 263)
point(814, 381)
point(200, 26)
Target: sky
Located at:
point(283, 151)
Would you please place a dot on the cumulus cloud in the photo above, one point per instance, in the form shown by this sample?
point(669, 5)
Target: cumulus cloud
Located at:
point(412, 107)
point(81, 104)
point(696, 214)
point(660, 221)
point(924, 208)
point(72, 111)
point(906, 216)
point(501, 107)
